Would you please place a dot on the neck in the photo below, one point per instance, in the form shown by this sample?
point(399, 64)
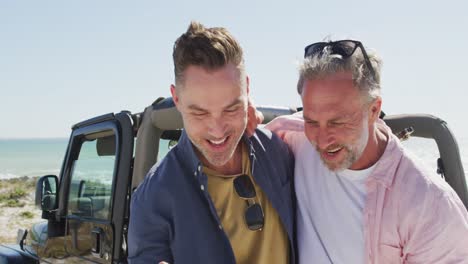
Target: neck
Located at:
point(233, 166)
point(375, 148)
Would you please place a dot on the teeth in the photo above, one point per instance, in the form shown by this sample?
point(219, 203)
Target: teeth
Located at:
point(218, 142)
point(334, 150)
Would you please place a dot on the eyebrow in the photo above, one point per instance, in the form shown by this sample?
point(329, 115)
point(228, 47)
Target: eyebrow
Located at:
point(199, 108)
point(196, 107)
point(345, 116)
point(306, 118)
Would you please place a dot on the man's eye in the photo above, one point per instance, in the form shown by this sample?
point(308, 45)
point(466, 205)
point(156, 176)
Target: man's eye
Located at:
point(337, 124)
point(312, 123)
point(198, 114)
point(231, 110)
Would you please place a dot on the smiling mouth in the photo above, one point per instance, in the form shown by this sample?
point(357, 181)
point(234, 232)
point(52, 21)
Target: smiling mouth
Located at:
point(219, 142)
point(333, 152)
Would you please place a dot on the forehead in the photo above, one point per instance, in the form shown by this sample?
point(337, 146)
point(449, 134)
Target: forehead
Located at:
point(197, 74)
point(211, 87)
point(331, 96)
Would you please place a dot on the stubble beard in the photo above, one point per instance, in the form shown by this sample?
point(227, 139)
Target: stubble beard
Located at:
point(218, 159)
point(353, 152)
point(351, 156)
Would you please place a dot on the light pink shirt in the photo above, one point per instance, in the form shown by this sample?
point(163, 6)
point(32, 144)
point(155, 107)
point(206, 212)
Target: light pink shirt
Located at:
point(410, 215)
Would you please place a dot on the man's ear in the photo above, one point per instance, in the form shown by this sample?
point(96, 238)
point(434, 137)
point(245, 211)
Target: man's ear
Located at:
point(247, 82)
point(175, 98)
point(374, 109)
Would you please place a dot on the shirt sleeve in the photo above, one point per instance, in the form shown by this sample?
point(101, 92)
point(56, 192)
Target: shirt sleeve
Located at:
point(289, 128)
point(149, 232)
point(440, 234)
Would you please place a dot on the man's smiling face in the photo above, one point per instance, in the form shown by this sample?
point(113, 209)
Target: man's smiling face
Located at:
point(336, 120)
point(213, 105)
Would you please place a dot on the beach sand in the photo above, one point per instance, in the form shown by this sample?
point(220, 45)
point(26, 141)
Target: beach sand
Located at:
point(17, 209)
point(17, 196)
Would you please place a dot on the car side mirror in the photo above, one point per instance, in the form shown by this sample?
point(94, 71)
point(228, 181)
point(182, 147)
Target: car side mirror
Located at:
point(46, 192)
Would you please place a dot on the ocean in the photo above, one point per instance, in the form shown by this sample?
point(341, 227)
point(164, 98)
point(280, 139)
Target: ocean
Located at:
point(37, 157)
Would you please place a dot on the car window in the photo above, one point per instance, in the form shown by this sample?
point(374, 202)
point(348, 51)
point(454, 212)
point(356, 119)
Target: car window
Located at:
point(91, 183)
point(164, 147)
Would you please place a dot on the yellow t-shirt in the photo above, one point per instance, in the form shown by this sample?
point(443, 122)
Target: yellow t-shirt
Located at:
point(269, 245)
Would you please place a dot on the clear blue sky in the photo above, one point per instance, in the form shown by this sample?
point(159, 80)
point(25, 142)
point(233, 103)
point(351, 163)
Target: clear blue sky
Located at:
point(64, 61)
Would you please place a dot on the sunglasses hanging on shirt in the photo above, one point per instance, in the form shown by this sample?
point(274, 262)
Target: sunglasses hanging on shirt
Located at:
point(254, 217)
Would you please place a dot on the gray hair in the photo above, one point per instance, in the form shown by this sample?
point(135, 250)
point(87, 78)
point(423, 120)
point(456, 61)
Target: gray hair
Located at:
point(325, 64)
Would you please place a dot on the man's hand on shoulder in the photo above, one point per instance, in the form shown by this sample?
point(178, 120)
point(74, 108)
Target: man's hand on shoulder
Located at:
point(254, 118)
point(282, 125)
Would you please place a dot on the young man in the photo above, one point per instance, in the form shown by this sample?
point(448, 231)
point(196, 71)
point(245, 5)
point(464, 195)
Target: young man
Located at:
point(361, 197)
point(217, 196)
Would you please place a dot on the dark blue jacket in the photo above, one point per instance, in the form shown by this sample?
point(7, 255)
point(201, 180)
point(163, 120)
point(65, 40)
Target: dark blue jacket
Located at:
point(173, 218)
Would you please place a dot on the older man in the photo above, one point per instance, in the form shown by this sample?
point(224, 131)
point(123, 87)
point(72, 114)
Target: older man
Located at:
point(361, 197)
point(217, 196)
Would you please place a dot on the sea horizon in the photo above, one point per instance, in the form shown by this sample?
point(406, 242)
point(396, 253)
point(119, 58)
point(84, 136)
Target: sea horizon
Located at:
point(33, 157)
point(31, 138)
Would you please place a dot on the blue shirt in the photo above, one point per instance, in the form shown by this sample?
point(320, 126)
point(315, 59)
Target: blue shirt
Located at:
point(173, 219)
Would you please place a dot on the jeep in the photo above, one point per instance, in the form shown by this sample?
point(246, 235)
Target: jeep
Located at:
point(87, 205)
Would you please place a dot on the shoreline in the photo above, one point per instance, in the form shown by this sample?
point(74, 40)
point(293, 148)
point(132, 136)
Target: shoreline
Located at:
point(13, 177)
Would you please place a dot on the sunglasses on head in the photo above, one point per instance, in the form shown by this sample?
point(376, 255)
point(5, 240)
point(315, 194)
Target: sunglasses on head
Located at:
point(345, 48)
point(253, 216)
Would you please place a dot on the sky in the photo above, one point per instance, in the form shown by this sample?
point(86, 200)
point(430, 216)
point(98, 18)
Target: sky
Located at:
point(65, 61)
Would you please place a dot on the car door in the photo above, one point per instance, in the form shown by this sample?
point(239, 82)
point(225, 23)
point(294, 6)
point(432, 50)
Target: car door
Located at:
point(94, 189)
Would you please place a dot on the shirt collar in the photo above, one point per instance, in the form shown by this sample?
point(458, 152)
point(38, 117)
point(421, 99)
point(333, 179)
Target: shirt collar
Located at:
point(386, 167)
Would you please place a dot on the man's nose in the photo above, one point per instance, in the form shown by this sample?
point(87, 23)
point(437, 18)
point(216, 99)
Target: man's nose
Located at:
point(218, 127)
point(324, 138)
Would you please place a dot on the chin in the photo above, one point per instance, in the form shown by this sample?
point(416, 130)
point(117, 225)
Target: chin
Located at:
point(339, 166)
